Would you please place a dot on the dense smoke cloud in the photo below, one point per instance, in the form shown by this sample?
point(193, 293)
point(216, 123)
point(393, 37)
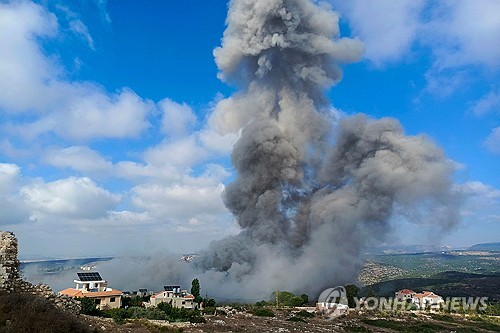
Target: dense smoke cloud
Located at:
point(306, 197)
point(310, 193)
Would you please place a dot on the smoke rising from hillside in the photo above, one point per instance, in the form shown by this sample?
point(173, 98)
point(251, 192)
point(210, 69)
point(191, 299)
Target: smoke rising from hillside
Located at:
point(308, 198)
point(309, 193)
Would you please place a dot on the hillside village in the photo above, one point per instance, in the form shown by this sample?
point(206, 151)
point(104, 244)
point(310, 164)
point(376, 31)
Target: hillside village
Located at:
point(175, 302)
point(91, 285)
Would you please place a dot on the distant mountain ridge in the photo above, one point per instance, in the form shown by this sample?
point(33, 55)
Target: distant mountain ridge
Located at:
point(495, 246)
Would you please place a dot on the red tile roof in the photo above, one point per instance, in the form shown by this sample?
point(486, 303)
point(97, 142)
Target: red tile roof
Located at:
point(72, 292)
point(427, 294)
point(406, 291)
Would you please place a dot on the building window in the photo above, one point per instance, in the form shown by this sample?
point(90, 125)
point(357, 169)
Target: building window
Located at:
point(183, 302)
point(97, 301)
point(112, 299)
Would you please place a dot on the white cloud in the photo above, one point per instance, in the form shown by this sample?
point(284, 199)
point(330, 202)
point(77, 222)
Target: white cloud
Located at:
point(81, 29)
point(183, 153)
point(43, 105)
point(444, 83)
point(12, 208)
point(462, 36)
point(178, 119)
point(490, 103)
point(137, 171)
point(181, 205)
point(33, 82)
point(493, 141)
point(479, 189)
point(23, 66)
point(87, 112)
point(459, 33)
point(76, 25)
point(387, 28)
point(9, 174)
point(79, 158)
point(102, 4)
point(481, 201)
point(72, 197)
point(221, 144)
point(466, 32)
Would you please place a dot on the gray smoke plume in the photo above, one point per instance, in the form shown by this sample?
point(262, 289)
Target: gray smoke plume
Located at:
point(309, 193)
point(308, 198)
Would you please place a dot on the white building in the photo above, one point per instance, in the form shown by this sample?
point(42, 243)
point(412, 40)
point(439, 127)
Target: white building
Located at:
point(422, 301)
point(174, 296)
point(91, 285)
point(427, 300)
point(405, 295)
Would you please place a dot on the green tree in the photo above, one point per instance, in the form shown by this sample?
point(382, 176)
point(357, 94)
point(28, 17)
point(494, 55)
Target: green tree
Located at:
point(89, 307)
point(195, 290)
point(352, 291)
point(287, 298)
point(133, 301)
point(209, 302)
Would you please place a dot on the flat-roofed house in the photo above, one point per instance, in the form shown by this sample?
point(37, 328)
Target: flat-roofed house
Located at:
point(93, 286)
point(174, 296)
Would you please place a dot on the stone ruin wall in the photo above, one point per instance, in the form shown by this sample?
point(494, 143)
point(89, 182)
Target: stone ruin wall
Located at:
point(11, 281)
point(9, 274)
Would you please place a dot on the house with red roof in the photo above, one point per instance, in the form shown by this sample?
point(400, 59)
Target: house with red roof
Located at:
point(427, 300)
point(405, 295)
point(423, 300)
point(92, 286)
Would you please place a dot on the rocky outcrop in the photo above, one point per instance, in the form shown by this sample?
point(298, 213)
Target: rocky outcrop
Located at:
point(11, 281)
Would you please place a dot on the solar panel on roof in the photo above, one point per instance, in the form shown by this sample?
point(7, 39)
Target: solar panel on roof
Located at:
point(93, 276)
point(171, 288)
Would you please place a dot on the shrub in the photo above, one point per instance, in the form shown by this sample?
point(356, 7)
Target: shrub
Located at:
point(209, 310)
point(262, 312)
point(305, 314)
point(30, 313)
point(177, 314)
point(209, 302)
point(118, 315)
point(137, 312)
point(89, 307)
point(287, 298)
point(128, 301)
point(262, 303)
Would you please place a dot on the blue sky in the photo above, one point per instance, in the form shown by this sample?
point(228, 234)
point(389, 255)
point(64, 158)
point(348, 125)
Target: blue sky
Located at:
point(107, 139)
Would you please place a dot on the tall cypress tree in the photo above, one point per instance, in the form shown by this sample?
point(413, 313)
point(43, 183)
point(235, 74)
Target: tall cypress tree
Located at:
point(195, 289)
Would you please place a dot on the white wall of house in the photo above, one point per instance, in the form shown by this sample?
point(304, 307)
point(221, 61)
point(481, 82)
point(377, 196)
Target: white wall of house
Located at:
point(176, 300)
point(108, 302)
